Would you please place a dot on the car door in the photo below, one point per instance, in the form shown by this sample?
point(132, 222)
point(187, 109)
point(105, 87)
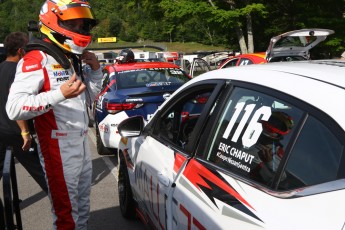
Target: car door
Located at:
point(231, 181)
point(198, 66)
point(160, 156)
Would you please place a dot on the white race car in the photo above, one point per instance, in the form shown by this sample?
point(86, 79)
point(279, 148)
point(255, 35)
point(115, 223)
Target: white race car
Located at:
point(253, 147)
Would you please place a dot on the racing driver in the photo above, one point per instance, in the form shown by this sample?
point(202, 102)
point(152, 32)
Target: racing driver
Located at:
point(51, 88)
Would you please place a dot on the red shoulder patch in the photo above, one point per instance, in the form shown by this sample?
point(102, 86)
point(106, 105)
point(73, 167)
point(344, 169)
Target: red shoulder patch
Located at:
point(32, 61)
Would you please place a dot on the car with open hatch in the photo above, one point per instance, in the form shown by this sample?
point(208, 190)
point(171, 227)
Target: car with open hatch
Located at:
point(128, 89)
point(290, 46)
point(252, 147)
point(295, 45)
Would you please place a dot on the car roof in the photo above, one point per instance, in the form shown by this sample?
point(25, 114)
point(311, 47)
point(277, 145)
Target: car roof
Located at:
point(255, 55)
point(258, 57)
point(143, 65)
point(259, 54)
point(320, 83)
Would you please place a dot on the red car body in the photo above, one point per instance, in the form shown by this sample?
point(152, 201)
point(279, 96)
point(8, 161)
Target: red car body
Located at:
point(244, 59)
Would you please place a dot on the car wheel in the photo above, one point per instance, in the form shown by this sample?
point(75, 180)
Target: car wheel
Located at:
point(101, 149)
point(127, 203)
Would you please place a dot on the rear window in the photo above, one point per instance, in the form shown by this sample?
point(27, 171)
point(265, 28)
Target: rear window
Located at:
point(150, 77)
point(299, 41)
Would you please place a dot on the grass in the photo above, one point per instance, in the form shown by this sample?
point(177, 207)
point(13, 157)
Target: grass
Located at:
point(187, 47)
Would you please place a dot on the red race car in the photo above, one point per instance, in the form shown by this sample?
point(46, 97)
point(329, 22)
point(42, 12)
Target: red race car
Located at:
point(244, 59)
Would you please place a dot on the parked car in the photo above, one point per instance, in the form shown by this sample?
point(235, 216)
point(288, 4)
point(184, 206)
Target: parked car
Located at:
point(264, 150)
point(129, 89)
point(295, 45)
point(290, 46)
point(244, 59)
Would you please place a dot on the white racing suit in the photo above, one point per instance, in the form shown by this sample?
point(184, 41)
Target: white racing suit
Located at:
point(61, 125)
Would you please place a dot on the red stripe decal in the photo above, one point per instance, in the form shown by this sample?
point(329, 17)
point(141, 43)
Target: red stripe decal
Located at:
point(54, 170)
point(179, 159)
point(195, 172)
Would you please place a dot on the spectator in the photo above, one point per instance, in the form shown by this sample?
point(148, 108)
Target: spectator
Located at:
point(16, 134)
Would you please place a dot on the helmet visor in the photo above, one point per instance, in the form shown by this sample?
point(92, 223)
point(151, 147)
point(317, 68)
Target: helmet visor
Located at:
point(79, 26)
point(74, 11)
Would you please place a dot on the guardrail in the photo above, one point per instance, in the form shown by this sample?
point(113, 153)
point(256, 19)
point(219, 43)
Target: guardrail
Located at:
point(11, 207)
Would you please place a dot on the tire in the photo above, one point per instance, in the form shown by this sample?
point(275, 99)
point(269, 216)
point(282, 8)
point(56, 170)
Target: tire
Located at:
point(127, 203)
point(101, 149)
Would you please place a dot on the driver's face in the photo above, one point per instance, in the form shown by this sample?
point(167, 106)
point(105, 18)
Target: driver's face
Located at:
point(76, 25)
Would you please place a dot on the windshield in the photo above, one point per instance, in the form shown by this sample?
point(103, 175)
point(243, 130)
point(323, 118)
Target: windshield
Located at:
point(150, 77)
point(300, 41)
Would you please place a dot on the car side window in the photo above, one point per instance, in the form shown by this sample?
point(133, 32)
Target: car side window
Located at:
point(252, 133)
point(177, 124)
point(315, 158)
point(231, 63)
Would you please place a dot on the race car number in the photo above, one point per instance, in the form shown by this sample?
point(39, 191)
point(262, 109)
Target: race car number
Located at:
point(254, 128)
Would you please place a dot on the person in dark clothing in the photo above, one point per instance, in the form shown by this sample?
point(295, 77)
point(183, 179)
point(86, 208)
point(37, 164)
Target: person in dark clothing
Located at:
point(17, 134)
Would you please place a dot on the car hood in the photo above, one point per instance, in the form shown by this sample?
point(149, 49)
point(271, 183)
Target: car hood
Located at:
point(296, 43)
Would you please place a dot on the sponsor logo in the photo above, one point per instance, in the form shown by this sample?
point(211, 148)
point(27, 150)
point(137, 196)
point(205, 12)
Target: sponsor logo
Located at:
point(30, 67)
point(103, 128)
point(59, 79)
point(34, 108)
point(61, 134)
point(61, 73)
point(57, 67)
point(134, 100)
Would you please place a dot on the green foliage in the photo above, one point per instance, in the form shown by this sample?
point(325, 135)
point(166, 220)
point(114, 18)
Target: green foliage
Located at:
point(212, 22)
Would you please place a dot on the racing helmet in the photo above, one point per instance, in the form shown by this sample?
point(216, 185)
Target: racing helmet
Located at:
point(125, 56)
point(67, 23)
point(278, 125)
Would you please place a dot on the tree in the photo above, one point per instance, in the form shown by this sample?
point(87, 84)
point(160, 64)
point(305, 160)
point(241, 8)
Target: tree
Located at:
point(225, 15)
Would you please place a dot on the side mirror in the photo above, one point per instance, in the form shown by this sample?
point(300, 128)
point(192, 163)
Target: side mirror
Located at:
point(131, 127)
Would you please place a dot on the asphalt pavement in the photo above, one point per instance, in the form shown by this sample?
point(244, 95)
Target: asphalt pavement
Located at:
point(105, 212)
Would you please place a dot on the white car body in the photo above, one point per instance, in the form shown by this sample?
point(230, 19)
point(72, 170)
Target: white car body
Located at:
point(108, 129)
point(177, 188)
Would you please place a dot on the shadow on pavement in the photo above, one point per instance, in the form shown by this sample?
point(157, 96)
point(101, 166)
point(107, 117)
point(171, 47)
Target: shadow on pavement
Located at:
point(32, 199)
point(111, 219)
point(100, 171)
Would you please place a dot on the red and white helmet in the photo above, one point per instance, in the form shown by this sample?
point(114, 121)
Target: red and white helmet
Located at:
point(278, 125)
point(67, 23)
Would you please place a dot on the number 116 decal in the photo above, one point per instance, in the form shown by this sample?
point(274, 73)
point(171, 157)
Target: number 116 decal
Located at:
point(254, 128)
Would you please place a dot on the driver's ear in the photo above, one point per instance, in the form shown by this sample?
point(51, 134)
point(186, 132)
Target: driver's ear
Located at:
point(21, 52)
